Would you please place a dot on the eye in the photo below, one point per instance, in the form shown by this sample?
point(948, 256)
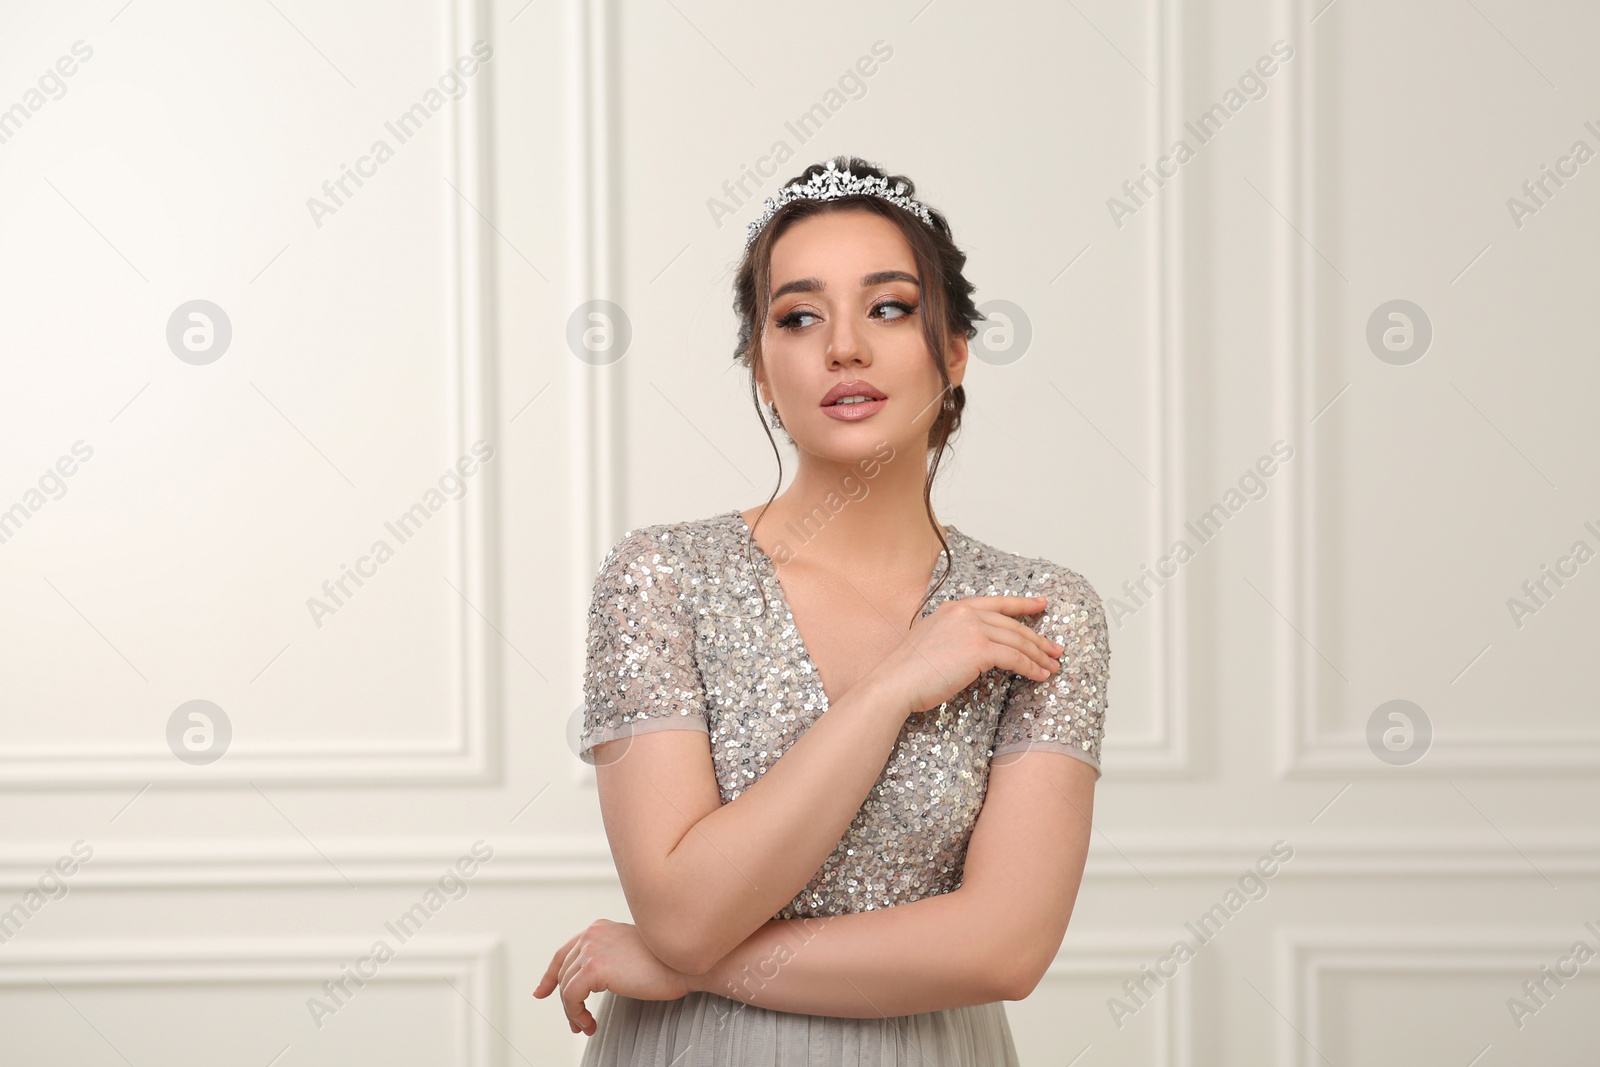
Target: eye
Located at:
point(791, 320)
point(904, 309)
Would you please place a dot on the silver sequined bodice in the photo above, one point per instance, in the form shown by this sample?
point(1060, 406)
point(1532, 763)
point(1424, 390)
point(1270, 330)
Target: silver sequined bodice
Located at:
point(677, 640)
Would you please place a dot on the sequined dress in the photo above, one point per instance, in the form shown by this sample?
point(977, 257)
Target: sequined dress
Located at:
point(677, 640)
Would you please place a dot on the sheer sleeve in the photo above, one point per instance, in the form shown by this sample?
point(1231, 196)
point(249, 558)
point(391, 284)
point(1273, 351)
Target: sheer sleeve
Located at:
point(1066, 712)
point(640, 672)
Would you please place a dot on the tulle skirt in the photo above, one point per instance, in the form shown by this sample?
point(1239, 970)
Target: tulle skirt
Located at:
point(708, 1030)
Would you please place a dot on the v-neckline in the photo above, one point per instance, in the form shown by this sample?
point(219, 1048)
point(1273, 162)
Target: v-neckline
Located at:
point(771, 569)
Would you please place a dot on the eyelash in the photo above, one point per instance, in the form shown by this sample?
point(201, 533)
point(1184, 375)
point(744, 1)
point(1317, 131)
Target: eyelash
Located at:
point(786, 323)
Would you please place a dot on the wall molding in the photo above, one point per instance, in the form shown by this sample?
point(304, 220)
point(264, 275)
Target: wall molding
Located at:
point(1303, 748)
point(1117, 956)
point(596, 400)
point(466, 755)
point(1163, 752)
point(1306, 956)
point(586, 861)
point(470, 965)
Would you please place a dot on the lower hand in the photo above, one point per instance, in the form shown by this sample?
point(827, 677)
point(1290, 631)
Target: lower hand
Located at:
point(611, 956)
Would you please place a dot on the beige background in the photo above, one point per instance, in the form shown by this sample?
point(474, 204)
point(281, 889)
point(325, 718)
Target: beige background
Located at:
point(1144, 371)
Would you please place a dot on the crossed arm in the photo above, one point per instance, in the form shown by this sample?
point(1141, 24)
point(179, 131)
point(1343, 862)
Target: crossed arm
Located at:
point(702, 878)
point(991, 939)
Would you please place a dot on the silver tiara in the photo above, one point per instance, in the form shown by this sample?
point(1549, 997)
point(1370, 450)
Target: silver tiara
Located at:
point(830, 184)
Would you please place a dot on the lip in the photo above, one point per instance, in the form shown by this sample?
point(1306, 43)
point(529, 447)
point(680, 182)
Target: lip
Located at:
point(854, 412)
point(859, 387)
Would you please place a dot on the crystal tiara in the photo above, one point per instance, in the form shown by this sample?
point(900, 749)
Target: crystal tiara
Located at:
point(830, 184)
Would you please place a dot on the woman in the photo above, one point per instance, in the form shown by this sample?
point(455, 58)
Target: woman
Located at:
point(912, 859)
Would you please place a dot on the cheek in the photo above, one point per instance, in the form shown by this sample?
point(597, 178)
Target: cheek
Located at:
point(783, 349)
point(910, 354)
point(785, 375)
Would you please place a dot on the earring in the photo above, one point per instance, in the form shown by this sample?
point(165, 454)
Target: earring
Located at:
point(775, 420)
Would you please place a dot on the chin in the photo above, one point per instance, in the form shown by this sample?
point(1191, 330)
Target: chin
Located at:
point(847, 442)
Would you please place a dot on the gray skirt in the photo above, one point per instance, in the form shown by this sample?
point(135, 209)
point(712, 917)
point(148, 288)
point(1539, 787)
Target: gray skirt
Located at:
point(708, 1030)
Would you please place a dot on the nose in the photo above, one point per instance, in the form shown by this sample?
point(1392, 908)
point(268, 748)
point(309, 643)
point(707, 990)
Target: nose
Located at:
point(846, 345)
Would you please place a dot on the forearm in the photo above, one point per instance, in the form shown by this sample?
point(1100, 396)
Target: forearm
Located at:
point(742, 862)
point(939, 952)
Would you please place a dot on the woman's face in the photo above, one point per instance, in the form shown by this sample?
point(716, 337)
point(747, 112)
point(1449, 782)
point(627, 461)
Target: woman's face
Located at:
point(848, 309)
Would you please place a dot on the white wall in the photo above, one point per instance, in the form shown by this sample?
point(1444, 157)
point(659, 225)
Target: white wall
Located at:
point(1172, 344)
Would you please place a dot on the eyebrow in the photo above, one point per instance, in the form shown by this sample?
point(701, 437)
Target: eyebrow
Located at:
point(816, 285)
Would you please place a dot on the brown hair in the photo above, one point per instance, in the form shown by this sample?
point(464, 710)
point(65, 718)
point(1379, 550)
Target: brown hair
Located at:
point(946, 304)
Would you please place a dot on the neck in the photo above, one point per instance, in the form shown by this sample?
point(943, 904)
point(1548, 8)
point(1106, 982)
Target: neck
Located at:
point(836, 516)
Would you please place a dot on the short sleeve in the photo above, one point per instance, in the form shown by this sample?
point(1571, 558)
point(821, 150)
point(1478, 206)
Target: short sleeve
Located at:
point(640, 672)
point(1065, 712)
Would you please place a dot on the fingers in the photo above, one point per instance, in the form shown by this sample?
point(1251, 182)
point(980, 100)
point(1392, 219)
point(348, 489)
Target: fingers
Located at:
point(582, 1022)
point(574, 988)
point(552, 973)
point(1009, 605)
point(1017, 625)
point(1029, 653)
